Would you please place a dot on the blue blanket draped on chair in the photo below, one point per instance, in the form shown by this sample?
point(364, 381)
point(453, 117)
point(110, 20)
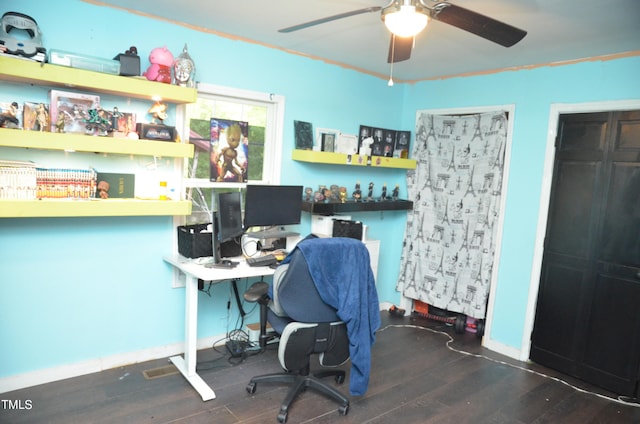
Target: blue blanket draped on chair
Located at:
point(352, 292)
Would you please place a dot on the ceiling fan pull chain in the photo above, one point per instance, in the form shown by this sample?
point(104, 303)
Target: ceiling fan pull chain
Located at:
point(393, 48)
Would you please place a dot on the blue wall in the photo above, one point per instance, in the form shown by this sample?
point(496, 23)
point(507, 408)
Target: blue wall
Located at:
point(532, 92)
point(73, 290)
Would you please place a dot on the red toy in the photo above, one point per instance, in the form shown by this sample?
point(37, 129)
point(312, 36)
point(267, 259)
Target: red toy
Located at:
point(160, 60)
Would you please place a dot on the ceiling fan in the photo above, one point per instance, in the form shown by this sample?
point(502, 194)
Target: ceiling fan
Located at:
point(406, 18)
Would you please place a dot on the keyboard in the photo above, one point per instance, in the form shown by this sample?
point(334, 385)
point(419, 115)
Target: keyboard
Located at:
point(264, 260)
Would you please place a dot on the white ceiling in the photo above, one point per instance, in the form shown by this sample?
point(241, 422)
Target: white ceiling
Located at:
point(558, 30)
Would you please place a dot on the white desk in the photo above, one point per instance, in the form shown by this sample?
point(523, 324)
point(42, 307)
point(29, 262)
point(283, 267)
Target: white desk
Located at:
point(193, 272)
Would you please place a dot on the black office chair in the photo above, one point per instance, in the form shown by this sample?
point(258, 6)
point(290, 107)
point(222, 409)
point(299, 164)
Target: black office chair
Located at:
point(308, 325)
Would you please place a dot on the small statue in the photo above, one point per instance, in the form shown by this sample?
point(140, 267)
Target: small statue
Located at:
point(383, 196)
point(97, 122)
point(370, 193)
point(326, 193)
point(158, 111)
point(357, 193)
point(308, 193)
point(395, 192)
point(343, 194)
point(335, 193)
point(184, 70)
point(160, 60)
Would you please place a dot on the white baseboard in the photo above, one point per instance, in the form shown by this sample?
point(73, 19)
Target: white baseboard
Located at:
point(34, 378)
point(502, 349)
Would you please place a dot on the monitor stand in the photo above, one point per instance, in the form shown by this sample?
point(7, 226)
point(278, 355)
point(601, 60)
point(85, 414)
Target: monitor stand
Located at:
point(272, 233)
point(223, 263)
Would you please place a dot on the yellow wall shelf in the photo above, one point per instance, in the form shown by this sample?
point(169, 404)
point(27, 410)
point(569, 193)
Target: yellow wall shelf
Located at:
point(331, 158)
point(84, 143)
point(31, 72)
point(53, 208)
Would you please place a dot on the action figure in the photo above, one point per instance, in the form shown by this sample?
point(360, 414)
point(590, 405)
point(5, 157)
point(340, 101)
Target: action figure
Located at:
point(383, 196)
point(159, 112)
point(395, 192)
point(8, 119)
point(370, 193)
point(343, 194)
point(357, 193)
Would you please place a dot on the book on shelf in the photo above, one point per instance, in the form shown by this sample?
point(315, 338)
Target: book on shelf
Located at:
point(111, 185)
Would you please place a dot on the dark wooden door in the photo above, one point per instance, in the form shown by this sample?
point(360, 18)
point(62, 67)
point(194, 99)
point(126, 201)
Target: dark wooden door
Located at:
point(587, 320)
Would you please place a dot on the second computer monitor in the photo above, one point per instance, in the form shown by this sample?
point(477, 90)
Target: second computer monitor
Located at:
point(272, 205)
point(229, 216)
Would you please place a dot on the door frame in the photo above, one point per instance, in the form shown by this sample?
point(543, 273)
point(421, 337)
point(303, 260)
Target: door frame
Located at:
point(556, 110)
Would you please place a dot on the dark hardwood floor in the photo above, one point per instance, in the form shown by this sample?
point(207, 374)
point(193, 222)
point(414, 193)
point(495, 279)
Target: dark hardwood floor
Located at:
point(415, 379)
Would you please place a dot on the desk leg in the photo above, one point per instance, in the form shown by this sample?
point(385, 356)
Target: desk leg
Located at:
point(187, 365)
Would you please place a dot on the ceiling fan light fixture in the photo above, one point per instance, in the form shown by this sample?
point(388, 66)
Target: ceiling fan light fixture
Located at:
point(405, 22)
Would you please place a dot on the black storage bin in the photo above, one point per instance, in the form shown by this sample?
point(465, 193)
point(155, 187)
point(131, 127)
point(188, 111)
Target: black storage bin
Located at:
point(345, 228)
point(193, 243)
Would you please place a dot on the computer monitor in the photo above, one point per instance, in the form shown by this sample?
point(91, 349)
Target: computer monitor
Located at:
point(229, 215)
point(227, 225)
point(272, 205)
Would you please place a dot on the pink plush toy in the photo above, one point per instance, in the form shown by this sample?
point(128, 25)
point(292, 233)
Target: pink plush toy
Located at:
point(160, 60)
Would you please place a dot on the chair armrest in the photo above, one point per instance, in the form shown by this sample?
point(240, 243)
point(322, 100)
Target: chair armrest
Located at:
point(256, 292)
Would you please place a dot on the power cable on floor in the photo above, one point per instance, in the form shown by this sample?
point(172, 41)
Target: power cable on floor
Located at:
point(475, 355)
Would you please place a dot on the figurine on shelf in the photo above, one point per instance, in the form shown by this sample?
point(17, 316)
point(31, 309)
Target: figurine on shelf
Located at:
point(159, 112)
point(8, 118)
point(160, 60)
point(383, 196)
point(395, 193)
point(326, 193)
point(98, 122)
point(357, 193)
point(343, 194)
point(318, 197)
point(308, 194)
point(335, 193)
point(184, 70)
point(370, 193)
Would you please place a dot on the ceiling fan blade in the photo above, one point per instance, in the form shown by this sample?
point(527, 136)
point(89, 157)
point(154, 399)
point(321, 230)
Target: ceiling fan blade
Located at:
point(330, 18)
point(475, 23)
point(399, 48)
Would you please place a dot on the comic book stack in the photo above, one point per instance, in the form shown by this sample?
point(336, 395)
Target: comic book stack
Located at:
point(17, 180)
point(20, 180)
point(60, 183)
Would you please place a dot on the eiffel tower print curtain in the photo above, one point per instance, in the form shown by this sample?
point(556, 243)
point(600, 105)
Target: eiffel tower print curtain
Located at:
point(450, 237)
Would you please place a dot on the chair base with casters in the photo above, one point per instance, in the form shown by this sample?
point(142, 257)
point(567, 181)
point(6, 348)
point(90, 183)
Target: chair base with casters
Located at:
point(298, 341)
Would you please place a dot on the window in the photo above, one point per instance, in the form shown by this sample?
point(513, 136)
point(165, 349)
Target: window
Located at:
point(264, 112)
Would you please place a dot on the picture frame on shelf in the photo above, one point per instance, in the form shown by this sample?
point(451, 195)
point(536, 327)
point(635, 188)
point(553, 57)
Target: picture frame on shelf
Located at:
point(327, 134)
point(401, 149)
point(347, 144)
point(365, 140)
point(69, 110)
point(328, 142)
point(123, 123)
point(388, 143)
point(303, 135)
point(377, 148)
